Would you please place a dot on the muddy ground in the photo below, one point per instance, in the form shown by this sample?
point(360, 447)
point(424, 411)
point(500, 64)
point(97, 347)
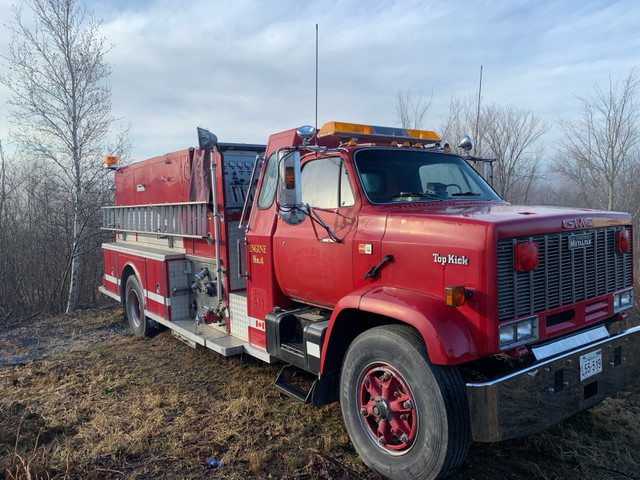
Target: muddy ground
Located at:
point(80, 397)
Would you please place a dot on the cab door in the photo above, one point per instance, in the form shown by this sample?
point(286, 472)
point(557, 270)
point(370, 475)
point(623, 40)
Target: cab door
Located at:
point(314, 260)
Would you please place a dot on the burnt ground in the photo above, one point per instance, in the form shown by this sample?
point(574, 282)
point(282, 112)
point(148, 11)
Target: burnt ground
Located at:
point(80, 397)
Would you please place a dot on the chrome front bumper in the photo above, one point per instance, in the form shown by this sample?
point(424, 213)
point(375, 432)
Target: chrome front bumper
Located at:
point(531, 400)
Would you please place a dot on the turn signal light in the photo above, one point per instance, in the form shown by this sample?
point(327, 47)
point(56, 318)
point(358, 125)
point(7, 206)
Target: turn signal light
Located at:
point(623, 241)
point(289, 178)
point(455, 295)
point(526, 256)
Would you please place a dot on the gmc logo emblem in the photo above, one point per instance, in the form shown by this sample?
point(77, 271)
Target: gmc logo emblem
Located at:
point(578, 223)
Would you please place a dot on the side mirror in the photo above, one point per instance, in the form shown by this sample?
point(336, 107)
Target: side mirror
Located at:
point(292, 211)
point(466, 144)
point(206, 139)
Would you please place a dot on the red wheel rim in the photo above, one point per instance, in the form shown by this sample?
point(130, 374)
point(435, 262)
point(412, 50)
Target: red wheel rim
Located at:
point(387, 408)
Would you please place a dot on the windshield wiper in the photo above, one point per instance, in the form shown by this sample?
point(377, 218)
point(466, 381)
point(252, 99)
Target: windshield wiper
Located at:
point(466, 194)
point(415, 194)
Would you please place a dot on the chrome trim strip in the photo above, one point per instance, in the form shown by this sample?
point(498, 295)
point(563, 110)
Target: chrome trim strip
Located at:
point(569, 343)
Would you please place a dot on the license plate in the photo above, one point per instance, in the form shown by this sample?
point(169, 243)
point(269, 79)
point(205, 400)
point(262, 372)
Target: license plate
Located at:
point(590, 364)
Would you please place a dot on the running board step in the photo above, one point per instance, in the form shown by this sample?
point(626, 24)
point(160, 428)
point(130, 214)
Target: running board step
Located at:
point(284, 385)
point(189, 341)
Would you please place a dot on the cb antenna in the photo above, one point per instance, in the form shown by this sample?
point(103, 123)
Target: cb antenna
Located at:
point(316, 84)
point(476, 144)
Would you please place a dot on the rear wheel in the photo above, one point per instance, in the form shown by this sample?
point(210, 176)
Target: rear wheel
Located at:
point(134, 307)
point(407, 418)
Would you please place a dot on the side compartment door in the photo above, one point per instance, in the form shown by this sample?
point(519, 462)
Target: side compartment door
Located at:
point(314, 260)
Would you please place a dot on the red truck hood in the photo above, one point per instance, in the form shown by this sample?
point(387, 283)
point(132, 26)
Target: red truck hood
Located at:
point(512, 220)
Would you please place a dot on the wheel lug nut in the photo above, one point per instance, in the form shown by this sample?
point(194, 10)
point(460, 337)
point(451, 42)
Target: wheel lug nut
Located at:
point(404, 438)
point(407, 404)
point(386, 376)
point(381, 440)
point(363, 411)
point(396, 394)
point(403, 416)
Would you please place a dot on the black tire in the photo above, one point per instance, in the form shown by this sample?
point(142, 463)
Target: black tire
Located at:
point(134, 307)
point(427, 438)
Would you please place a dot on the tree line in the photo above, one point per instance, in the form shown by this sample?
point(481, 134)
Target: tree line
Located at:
point(53, 185)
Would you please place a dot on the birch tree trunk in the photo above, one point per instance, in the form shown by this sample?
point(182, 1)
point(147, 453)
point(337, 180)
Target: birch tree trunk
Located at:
point(61, 114)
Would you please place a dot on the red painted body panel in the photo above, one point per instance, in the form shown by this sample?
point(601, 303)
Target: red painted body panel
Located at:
point(263, 291)
point(157, 180)
point(111, 274)
point(445, 330)
point(371, 228)
point(257, 336)
point(154, 284)
point(138, 265)
point(289, 138)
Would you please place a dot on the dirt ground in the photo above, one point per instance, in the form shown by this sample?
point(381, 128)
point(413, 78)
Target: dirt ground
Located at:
point(80, 397)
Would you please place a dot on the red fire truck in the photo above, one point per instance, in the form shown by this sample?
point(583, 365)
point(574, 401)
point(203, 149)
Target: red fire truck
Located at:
point(381, 262)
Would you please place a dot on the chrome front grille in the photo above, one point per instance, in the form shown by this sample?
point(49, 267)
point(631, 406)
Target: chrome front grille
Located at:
point(564, 275)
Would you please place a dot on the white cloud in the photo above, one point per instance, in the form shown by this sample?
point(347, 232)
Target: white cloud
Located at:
point(246, 68)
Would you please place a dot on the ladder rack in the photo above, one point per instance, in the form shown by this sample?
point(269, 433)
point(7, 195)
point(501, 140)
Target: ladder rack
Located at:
point(184, 219)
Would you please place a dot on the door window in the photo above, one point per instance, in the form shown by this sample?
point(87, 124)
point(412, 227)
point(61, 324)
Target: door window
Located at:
point(269, 183)
point(325, 184)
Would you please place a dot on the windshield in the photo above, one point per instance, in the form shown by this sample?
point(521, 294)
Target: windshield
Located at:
point(417, 176)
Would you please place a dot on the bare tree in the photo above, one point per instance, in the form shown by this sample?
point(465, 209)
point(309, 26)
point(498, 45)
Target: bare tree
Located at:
point(511, 138)
point(410, 111)
point(505, 133)
point(61, 106)
point(462, 119)
point(600, 150)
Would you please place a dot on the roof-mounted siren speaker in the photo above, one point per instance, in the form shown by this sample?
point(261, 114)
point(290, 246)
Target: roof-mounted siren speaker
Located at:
point(206, 139)
point(306, 133)
point(466, 144)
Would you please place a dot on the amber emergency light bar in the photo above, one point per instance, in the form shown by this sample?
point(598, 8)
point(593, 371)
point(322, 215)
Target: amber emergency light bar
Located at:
point(371, 132)
point(111, 162)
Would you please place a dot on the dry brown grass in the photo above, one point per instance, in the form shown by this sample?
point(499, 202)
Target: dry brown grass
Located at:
point(96, 402)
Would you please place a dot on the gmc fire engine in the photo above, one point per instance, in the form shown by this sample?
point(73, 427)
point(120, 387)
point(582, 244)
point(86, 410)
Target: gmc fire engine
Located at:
point(381, 262)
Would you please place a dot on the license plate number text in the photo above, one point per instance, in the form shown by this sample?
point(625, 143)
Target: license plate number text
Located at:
point(590, 364)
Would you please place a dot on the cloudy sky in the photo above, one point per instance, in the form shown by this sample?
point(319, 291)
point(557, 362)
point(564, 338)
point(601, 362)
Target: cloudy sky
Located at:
point(246, 68)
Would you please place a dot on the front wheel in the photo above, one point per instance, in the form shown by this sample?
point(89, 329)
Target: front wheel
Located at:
point(407, 418)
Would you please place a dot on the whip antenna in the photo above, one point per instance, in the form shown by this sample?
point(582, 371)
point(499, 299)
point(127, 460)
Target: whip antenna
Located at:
point(477, 139)
point(316, 84)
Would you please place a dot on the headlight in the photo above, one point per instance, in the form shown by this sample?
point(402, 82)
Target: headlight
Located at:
point(525, 329)
point(616, 303)
point(519, 332)
point(622, 300)
point(507, 334)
